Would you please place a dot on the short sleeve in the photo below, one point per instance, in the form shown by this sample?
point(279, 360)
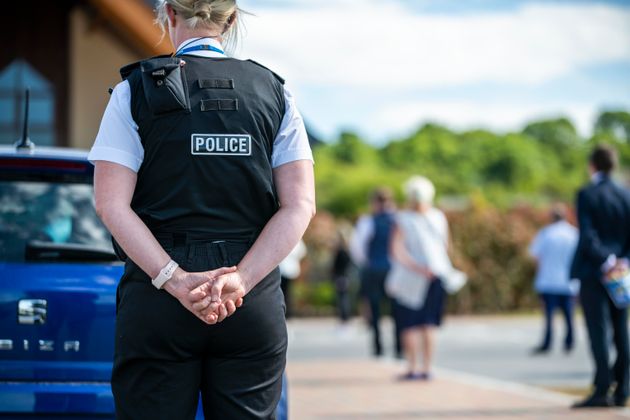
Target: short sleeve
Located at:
point(358, 243)
point(291, 142)
point(118, 140)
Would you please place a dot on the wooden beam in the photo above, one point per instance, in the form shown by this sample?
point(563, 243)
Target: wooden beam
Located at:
point(134, 19)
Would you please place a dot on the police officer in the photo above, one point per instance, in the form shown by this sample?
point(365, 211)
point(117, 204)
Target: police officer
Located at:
point(204, 177)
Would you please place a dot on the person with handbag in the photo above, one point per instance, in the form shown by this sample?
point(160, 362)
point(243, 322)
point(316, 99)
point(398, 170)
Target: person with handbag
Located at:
point(603, 210)
point(419, 257)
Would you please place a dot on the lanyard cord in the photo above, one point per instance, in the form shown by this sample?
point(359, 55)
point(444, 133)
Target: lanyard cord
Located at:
point(187, 44)
point(204, 47)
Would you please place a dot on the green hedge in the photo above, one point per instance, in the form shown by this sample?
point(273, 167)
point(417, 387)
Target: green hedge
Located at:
point(490, 245)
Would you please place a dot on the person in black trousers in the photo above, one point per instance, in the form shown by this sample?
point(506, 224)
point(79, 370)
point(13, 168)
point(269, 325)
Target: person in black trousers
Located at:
point(204, 177)
point(341, 277)
point(604, 221)
point(369, 249)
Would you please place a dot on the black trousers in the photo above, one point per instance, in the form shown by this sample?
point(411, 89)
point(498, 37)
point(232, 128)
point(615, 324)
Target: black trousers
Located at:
point(552, 301)
point(601, 316)
point(373, 288)
point(342, 301)
point(165, 356)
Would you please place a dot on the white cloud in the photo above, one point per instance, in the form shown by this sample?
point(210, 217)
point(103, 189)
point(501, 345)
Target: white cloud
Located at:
point(385, 45)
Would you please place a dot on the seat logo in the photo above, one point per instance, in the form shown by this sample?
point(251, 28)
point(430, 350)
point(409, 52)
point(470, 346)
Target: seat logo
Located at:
point(221, 144)
point(32, 311)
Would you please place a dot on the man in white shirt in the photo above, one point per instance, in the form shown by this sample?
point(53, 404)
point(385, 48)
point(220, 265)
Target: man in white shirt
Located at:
point(553, 248)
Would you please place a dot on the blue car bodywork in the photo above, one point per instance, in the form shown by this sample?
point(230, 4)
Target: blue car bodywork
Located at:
point(58, 279)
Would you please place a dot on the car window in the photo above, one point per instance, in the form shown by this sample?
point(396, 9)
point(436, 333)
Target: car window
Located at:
point(49, 212)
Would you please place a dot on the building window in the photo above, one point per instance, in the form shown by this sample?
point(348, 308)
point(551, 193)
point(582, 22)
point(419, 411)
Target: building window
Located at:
point(14, 79)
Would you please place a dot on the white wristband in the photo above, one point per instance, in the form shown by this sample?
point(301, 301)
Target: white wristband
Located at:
point(165, 274)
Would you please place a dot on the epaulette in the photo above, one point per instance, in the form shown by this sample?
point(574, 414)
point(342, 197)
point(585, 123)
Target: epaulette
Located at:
point(280, 79)
point(125, 71)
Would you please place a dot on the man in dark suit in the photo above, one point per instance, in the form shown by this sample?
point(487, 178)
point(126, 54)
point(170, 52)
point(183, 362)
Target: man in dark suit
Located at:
point(604, 220)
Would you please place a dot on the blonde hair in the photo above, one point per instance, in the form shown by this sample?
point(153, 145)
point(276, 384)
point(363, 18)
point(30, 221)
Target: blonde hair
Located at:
point(205, 14)
point(419, 189)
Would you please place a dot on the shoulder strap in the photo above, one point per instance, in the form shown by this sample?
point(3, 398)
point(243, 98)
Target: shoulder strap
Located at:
point(278, 78)
point(126, 71)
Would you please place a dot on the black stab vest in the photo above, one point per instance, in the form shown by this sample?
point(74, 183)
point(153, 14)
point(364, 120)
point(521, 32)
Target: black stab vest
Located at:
point(207, 127)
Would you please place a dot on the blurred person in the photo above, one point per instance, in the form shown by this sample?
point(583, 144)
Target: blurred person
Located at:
point(340, 272)
point(419, 252)
point(553, 249)
point(203, 221)
point(290, 269)
point(603, 210)
point(369, 248)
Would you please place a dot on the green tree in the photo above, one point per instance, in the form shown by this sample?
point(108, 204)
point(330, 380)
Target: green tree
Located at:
point(352, 150)
point(615, 122)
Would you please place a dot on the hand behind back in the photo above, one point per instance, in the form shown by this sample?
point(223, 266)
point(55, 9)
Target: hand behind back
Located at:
point(215, 300)
point(191, 288)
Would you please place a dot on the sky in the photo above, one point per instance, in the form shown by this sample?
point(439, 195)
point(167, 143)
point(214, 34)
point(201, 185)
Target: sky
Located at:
point(383, 68)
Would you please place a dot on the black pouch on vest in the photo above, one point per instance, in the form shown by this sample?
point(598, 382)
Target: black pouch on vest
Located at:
point(164, 85)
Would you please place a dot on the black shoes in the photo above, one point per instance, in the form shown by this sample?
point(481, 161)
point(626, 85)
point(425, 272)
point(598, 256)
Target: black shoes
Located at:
point(539, 351)
point(594, 401)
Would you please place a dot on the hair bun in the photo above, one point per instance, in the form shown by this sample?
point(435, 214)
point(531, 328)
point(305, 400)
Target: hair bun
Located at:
point(202, 9)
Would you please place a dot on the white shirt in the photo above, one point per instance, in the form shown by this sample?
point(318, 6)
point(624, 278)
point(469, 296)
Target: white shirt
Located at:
point(118, 140)
point(597, 177)
point(426, 238)
point(290, 266)
point(363, 231)
point(554, 247)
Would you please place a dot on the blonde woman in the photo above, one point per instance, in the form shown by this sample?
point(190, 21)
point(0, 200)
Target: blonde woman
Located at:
point(204, 177)
point(419, 253)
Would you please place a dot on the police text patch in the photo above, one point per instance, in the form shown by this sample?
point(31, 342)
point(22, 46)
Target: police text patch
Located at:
point(221, 144)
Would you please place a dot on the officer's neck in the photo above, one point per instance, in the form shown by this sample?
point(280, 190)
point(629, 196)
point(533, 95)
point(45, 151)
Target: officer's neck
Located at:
point(182, 33)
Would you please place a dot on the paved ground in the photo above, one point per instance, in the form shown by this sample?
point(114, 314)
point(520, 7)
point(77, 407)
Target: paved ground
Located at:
point(483, 371)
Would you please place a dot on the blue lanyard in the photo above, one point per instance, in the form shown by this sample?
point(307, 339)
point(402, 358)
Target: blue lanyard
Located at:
point(202, 47)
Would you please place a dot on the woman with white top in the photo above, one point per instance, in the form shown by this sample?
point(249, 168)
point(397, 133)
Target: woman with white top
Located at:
point(419, 253)
point(204, 177)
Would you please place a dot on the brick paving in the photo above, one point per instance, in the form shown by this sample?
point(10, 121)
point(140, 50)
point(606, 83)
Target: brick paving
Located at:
point(364, 388)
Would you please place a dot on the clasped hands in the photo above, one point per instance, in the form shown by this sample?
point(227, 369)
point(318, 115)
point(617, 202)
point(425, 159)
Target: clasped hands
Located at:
point(210, 295)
